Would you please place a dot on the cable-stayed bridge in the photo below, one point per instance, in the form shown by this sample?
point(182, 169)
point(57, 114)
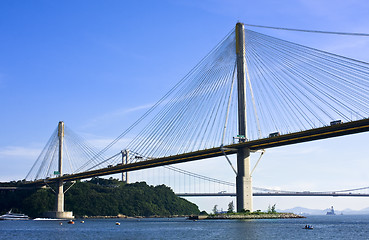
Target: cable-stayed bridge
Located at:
point(252, 92)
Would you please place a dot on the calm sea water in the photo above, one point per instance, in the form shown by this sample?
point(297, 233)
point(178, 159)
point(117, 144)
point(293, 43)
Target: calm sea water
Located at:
point(325, 227)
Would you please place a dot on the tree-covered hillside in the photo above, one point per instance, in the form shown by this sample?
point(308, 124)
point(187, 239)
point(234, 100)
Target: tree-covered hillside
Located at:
point(101, 197)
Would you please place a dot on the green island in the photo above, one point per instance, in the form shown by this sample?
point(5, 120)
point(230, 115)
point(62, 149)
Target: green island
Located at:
point(111, 198)
point(101, 197)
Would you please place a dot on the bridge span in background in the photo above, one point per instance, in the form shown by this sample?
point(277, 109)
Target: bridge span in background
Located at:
point(276, 194)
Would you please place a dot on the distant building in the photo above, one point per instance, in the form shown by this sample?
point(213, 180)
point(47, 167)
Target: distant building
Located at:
point(331, 212)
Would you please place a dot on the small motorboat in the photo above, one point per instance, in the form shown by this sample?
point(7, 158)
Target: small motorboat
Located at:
point(308, 227)
point(70, 222)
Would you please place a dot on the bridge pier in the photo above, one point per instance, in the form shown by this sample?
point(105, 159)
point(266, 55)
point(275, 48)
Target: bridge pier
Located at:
point(243, 179)
point(60, 197)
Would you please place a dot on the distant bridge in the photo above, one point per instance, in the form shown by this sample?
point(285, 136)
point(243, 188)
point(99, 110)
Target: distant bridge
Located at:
point(276, 194)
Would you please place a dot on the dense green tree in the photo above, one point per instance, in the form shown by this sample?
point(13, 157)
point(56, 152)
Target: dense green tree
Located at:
point(271, 209)
point(230, 207)
point(39, 202)
point(215, 209)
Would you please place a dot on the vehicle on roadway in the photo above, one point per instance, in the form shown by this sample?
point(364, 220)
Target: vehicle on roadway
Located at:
point(336, 122)
point(275, 134)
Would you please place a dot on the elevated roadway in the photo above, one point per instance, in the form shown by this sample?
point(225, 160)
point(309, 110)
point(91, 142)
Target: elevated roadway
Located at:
point(264, 143)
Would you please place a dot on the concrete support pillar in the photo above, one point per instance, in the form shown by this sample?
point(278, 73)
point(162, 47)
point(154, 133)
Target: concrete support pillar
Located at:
point(60, 189)
point(60, 197)
point(243, 179)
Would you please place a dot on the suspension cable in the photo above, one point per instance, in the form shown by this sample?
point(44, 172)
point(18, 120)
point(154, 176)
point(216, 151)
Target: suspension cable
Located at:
point(310, 31)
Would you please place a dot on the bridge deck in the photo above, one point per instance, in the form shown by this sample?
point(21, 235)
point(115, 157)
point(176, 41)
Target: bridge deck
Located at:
point(282, 140)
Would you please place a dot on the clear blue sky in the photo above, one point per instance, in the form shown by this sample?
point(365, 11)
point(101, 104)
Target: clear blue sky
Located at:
point(97, 65)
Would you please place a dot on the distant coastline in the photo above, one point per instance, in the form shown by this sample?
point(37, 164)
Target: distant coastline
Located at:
point(308, 211)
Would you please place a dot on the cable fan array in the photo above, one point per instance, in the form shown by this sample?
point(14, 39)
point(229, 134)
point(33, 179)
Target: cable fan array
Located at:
point(192, 115)
point(76, 152)
point(298, 88)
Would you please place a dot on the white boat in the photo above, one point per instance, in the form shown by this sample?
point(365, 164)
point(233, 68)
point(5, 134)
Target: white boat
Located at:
point(14, 216)
point(48, 219)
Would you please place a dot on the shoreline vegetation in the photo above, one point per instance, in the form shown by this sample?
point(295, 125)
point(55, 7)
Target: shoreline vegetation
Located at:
point(245, 214)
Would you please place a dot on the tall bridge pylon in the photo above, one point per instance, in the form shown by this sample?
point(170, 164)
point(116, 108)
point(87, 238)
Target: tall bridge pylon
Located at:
point(59, 203)
point(243, 179)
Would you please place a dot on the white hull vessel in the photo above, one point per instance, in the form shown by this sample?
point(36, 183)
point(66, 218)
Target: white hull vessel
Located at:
point(14, 216)
point(48, 219)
